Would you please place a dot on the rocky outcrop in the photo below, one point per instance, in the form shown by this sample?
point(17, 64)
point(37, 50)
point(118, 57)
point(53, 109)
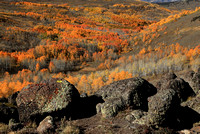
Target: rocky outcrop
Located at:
point(180, 86)
point(53, 97)
point(125, 93)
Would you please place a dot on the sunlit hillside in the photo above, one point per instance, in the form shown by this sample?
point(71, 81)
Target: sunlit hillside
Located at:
point(92, 45)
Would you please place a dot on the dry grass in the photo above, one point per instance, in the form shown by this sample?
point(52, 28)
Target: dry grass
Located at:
point(3, 128)
point(70, 129)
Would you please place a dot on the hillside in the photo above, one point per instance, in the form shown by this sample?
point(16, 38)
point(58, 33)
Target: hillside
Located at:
point(161, 1)
point(93, 44)
point(183, 30)
point(21, 21)
point(99, 66)
point(182, 5)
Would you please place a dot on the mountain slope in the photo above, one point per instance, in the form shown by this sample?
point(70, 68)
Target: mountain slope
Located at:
point(184, 30)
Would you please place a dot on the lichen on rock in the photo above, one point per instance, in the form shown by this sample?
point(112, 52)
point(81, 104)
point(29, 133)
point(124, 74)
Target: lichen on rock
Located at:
point(123, 94)
point(46, 97)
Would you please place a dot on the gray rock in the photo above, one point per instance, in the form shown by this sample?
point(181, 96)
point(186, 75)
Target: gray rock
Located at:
point(123, 94)
point(193, 78)
point(138, 113)
point(135, 115)
point(46, 125)
point(130, 118)
point(55, 96)
point(162, 108)
point(193, 103)
point(181, 87)
point(111, 107)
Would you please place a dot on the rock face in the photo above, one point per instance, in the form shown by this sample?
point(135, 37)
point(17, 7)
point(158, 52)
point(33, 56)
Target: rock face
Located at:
point(125, 93)
point(7, 112)
point(181, 87)
point(50, 97)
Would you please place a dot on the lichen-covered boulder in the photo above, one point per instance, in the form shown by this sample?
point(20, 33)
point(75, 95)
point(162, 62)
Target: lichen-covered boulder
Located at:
point(162, 107)
point(193, 103)
point(51, 96)
point(181, 87)
point(125, 93)
point(135, 115)
point(111, 107)
point(138, 113)
point(193, 78)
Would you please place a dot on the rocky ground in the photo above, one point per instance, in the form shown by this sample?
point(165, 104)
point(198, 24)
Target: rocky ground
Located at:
point(171, 105)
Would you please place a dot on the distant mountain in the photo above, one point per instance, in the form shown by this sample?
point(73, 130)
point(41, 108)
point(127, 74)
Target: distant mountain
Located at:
point(161, 1)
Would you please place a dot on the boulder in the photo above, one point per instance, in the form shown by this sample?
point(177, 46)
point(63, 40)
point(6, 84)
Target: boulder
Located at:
point(193, 103)
point(162, 108)
point(53, 97)
point(130, 118)
point(193, 78)
point(135, 115)
point(46, 125)
point(123, 94)
point(111, 107)
point(181, 87)
point(7, 112)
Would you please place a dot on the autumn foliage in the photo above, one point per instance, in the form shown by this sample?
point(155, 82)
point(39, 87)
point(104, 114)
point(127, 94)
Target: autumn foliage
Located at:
point(39, 41)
